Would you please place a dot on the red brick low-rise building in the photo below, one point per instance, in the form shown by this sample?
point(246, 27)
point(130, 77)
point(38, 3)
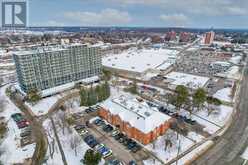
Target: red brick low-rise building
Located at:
point(136, 119)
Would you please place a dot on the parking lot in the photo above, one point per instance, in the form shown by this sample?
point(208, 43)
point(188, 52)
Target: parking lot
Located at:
point(120, 151)
point(199, 63)
point(24, 127)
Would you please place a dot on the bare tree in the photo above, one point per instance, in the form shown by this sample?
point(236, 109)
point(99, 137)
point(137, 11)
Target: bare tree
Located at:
point(62, 120)
point(2, 103)
point(51, 145)
point(169, 139)
point(75, 142)
point(1, 80)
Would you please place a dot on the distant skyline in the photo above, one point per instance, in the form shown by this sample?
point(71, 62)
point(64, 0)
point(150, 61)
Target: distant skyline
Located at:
point(140, 13)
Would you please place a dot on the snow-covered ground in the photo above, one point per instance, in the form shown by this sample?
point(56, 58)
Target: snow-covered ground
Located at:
point(65, 140)
point(188, 80)
point(43, 106)
point(224, 94)
point(170, 152)
point(245, 154)
point(213, 122)
point(13, 153)
point(187, 158)
point(236, 60)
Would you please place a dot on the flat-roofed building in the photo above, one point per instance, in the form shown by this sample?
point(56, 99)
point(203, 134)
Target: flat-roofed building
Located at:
point(136, 119)
point(49, 67)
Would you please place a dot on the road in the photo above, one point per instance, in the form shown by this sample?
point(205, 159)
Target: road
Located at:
point(230, 146)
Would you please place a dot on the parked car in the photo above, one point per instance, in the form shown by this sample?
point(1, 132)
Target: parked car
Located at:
point(87, 138)
point(24, 134)
point(22, 125)
point(108, 128)
point(115, 132)
point(118, 136)
point(131, 145)
point(83, 132)
point(114, 162)
point(127, 141)
point(122, 139)
point(136, 148)
point(79, 127)
point(132, 162)
point(25, 141)
point(93, 143)
point(17, 117)
point(26, 129)
point(98, 122)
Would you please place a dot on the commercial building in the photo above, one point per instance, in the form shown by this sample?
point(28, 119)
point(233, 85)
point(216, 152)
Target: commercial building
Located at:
point(49, 67)
point(209, 38)
point(190, 81)
point(136, 119)
point(137, 63)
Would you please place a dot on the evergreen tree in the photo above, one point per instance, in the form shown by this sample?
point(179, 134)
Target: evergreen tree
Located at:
point(83, 97)
point(91, 157)
point(99, 93)
point(33, 96)
point(199, 98)
point(181, 96)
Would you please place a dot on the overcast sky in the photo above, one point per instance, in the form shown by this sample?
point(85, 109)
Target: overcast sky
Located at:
point(148, 13)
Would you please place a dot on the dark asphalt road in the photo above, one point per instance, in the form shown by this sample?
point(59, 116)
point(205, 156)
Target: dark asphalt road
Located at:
point(231, 145)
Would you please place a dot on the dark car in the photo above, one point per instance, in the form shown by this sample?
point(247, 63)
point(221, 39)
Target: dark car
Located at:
point(22, 124)
point(136, 148)
point(98, 122)
point(118, 136)
point(108, 128)
point(131, 145)
point(26, 133)
point(127, 141)
point(92, 143)
point(79, 127)
point(114, 162)
point(132, 163)
point(17, 117)
point(87, 138)
point(122, 139)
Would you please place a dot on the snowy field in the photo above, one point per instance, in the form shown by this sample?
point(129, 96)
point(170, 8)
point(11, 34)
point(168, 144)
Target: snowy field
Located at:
point(190, 156)
point(167, 154)
point(43, 106)
point(213, 122)
point(188, 80)
point(140, 60)
point(224, 94)
point(13, 153)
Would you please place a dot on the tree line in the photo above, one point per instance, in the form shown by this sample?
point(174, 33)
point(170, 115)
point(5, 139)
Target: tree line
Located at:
point(92, 96)
point(195, 101)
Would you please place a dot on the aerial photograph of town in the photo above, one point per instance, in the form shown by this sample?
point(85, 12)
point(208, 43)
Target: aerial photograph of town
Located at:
point(123, 82)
